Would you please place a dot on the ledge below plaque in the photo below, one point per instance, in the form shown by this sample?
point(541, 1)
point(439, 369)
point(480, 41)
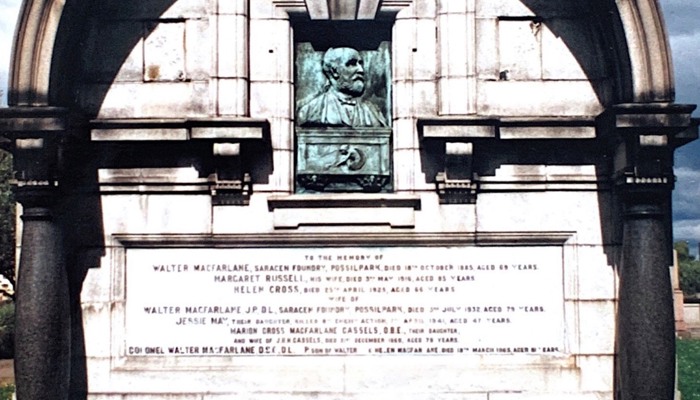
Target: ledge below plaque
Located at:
point(344, 200)
point(292, 212)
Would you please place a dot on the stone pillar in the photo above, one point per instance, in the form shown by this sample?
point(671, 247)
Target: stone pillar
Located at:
point(646, 333)
point(457, 68)
point(42, 329)
point(231, 78)
point(647, 136)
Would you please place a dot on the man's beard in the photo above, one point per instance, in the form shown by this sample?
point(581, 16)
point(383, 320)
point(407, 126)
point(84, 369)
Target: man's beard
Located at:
point(353, 87)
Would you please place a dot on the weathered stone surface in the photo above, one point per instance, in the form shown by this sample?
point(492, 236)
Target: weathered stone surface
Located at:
point(456, 58)
point(270, 57)
point(501, 212)
point(543, 8)
point(157, 214)
point(152, 10)
point(453, 88)
point(561, 98)
point(198, 58)
point(520, 50)
point(133, 100)
point(487, 60)
point(107, 44)
point(164, 53)
point(232, 96)
point(232, 55)
point(414, 57)
point(420, 99)
point(569, 50)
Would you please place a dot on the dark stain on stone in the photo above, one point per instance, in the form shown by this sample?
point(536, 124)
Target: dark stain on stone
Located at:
point(153, 72)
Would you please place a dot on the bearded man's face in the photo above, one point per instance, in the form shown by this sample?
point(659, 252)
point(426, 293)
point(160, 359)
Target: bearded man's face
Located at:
point(351, 73)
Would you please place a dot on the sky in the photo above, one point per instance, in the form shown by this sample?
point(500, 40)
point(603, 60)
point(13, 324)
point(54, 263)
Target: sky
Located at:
point(683, 23)
point(9, 9)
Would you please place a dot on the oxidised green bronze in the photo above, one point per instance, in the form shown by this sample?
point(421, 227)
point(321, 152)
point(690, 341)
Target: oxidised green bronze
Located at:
point(341, 102)
point(343, 119)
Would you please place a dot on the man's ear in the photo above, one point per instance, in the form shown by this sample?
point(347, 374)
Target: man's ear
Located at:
point(334, 72)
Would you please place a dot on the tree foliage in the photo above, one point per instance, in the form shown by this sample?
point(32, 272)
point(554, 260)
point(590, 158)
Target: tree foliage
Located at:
point(7, 218)
point(7, 331)
point(683, 251)
point(689, 269)
point(690, 277)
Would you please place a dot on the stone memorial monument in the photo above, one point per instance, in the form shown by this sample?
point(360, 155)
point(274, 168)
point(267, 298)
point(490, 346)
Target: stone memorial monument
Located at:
point(344, 199)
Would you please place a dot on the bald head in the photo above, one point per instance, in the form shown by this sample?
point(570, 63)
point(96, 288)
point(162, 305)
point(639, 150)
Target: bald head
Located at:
point(344, 68)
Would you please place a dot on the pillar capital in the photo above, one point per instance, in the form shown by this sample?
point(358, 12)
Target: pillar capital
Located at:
point(646, 136)
point(33, 135)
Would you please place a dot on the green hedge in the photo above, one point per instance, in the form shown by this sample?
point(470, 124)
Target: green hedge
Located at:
point(7, 218)
point(7, 331)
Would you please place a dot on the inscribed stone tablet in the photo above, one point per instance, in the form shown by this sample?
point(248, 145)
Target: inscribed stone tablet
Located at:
point(354, 301)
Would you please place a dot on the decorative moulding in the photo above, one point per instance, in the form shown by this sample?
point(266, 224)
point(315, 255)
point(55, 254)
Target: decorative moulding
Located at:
point(456, 128)
point(449, 142)
point(667, 119)
point(335, 239)
point(296, 211)
point(342, 9)
point(178, 129)
point(648, 134)
point(233, 141)
point(344, 200)
point(17, 120)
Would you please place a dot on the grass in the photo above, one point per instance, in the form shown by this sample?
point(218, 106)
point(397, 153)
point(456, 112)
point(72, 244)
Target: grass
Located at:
point(688, 351)
point(6, 391)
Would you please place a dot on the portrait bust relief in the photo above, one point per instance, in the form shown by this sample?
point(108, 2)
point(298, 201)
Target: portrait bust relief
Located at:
point(342, 86)
point(340, 103)
point(343, 109)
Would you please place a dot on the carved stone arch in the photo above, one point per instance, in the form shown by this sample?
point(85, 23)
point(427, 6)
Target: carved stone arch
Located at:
point(33, 51)
point(649, 50)
point(642, 21)
point(634, 34)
